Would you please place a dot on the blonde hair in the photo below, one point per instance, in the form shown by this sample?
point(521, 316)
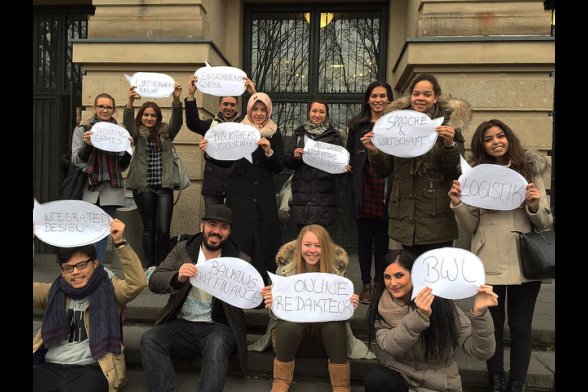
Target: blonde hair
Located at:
point(327, 258)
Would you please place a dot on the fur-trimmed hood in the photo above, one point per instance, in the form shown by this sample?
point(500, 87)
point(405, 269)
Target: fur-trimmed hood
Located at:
point(163, 131)
point(537, 162)
point(285, 259)
point(457, 112)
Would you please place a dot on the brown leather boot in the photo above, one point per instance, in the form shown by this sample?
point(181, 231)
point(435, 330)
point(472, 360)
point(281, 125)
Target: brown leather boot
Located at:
point(365, 297)
point(340, 374)
point(283, 374)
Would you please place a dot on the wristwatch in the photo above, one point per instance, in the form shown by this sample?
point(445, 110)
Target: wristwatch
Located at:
point(119, 244)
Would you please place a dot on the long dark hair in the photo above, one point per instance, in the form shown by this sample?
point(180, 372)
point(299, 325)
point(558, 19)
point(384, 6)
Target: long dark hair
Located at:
point(366, 111)
point(442, 330)
point(153, 137)
point(515, 153)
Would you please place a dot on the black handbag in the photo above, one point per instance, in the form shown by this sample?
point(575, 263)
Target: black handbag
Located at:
point(537, 251)
point(74, 183)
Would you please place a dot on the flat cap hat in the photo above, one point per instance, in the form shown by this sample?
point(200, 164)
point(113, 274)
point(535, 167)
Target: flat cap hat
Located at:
point(218, 212)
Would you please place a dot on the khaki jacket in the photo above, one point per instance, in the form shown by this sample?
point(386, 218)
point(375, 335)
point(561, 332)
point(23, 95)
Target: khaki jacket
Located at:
point(494, 239)
point(113, 365)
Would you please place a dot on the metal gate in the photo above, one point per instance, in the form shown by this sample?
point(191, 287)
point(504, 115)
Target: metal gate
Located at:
point(57, 85)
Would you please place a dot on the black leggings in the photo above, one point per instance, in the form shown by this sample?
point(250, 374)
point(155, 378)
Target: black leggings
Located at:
point(49, 377)
point(383, 379)
point(520, 306)
point(155, 206)
point(321, 339)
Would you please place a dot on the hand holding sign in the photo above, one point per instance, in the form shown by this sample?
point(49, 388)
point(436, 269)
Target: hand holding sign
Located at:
point(110, 137)
point(329, 158)
point(405, 133)
point(230, 279)
point(232, 141)
point(490, 186)
point(451, 273)
point(312, 297)
point(151, 84)
point(221, 81)
point(70, 223)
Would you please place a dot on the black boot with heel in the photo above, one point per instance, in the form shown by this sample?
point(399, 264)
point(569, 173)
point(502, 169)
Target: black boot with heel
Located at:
point(496, 382)
point(516, 386)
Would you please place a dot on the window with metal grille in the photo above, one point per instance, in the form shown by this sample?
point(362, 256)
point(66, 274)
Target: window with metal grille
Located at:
point(329, 52)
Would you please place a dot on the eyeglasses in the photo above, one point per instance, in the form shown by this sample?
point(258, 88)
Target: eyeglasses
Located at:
point(68, 269)
point(102, 107)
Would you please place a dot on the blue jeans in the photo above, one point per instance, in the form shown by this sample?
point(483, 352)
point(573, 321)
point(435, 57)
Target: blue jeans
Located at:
point(101, 245)
point(182, 339)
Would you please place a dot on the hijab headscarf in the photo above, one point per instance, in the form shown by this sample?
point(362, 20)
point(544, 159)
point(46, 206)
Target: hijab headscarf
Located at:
point(268, 128)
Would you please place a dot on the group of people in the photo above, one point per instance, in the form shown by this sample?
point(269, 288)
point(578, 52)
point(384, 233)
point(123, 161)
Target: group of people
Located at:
point(413, 201)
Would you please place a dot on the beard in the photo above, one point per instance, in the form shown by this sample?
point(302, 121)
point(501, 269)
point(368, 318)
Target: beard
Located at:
point(213, 247)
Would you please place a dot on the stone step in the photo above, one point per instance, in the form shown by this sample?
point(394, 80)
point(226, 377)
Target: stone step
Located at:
point(541, 375)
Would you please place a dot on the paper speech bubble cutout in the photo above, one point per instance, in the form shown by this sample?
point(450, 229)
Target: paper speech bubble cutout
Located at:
point(232, 141)
point(452, 273)
point(221, 81)
point(110, 137)
point(493, 187)
point(405, 133)
point(230, 279)
point(70, 223)
point(152, 84)
point(325, 156)
point(312, 297)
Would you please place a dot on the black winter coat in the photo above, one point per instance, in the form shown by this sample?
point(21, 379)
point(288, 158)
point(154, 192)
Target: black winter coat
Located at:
point(358, 158)
point(314, 199)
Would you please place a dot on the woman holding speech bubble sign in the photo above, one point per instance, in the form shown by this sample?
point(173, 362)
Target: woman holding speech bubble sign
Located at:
point(106, 187)
point(495, 241)
point(370, 192)
point(150, 175)
point(313, 190)
point(417, 338)
point(312, 251)
point(419, 215)
point(250, 188)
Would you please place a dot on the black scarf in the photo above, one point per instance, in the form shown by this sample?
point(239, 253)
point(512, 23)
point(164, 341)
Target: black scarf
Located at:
point(104, 331)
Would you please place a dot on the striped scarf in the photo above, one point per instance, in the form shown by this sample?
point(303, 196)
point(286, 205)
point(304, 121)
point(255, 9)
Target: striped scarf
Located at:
point(101, 162)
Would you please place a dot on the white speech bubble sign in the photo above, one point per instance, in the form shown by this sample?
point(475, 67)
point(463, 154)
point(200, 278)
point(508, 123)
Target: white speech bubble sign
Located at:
point(231, 280)
point(452, 273)
point(152, 84)
point(221, 81)
point(493, 187)
point(70, 223)
point(110, 137)
point(312, 297)
point(232, 141)
point(405, 133)
point(325, 156)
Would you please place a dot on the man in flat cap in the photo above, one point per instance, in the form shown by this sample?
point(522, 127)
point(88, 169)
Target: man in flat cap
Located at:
point(194, 321)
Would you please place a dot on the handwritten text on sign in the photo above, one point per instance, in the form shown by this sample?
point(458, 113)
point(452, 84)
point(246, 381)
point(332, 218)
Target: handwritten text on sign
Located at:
point(232, 141)
point(152, 84)
point(324, 156)
point(221, 81)
point(493, 187)
point(110, 137)
point(70, 223)
point(452, 273)
point(230, 279)
point(312, 297)
point(405, 133)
